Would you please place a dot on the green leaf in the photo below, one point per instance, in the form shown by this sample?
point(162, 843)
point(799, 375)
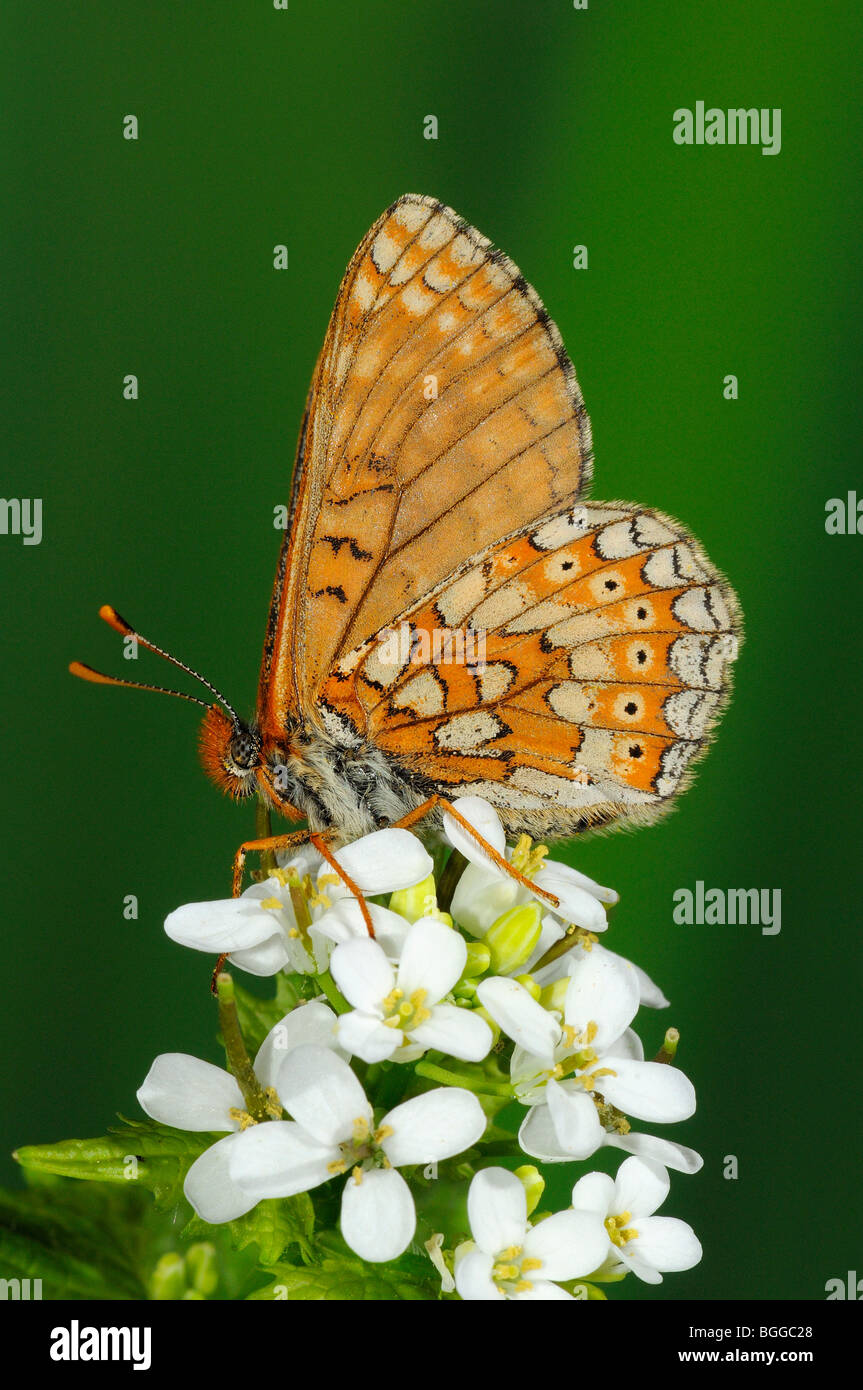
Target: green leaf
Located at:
point(78, 1249)
point(342, 1280)
point(338, 1274)
point(274, 1225)
point(144, 1152)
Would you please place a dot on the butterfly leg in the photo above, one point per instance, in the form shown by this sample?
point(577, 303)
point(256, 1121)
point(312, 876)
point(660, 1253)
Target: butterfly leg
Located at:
point(435, 802)
point(273, 842)
point(319, 842)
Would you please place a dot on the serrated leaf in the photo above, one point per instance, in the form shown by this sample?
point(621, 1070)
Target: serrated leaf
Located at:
point(337, 1279)
point(144, 1152)
point(274, 1225)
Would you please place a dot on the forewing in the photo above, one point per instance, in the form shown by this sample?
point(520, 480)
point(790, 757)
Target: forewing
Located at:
point(443, 413)
point(570, 674)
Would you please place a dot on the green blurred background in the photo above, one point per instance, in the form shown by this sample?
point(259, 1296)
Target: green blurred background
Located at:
point(154, 257)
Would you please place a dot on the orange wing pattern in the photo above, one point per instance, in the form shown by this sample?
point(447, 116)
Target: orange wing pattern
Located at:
point(443, 413)
point(607, 638)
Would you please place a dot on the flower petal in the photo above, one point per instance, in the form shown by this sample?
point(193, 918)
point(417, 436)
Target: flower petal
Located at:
point(279, 1159)
point(267, 958)
point(596, 890)
point(225, 925)
point(569, 1243)
point(433, 958)
point(603, 991)
point(473, 1276)
point(485, 821)
point(640, 1187)
point(497, 1210)
point(542, 1290)
point(435, 1125)
point(314, 1022)
point(664, 1151)
point(322, 1093)
point(378, 1215)
point(365, 1036)
point(575, 1119)
point(385, 861)
point(519, 1015)
point(538, 1137)
point(575, 904)
point(344, 921)
point(648, 1090)
point(362, 973)
point(594, 1192)
point(209, 1189)
point(666, 1243)
point(187, 1093)
point(481, 896)
point(459, 1032)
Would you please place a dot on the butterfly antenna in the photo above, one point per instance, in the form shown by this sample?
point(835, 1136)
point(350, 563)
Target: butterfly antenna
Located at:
point(119, 624)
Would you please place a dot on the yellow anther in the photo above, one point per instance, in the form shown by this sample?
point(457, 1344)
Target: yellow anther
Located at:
point(271, 904)
point(358, 1174)
point(556, 1072)
point(337, 1167)
point(618, 1232)
point(324, 880)
point(383, 1133)
point(530, 1264)
point(511, 1253)
point(284, 878)
point(242, 1117)
point(591, 1031)
point(505, 1272)
point(523, 1286)
point(274, 1105)
point(293, 933)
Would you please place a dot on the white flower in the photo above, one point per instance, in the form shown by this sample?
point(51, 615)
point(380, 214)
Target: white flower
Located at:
point(383, 862)
point(190, 1094)
point(344, 921)
point(601, 1000)
point(257, 931)
point(569, 1125)
point(401, 1012)
point(485, 891)
point(512, 1259)
point(648, 1245)
point(333, 1131)
point(650, 994)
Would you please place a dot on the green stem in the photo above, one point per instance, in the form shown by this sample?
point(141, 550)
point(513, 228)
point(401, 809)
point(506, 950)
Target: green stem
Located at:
point(238, 1057)
point(328, 985)
point(451, 1078)
point(263, 831)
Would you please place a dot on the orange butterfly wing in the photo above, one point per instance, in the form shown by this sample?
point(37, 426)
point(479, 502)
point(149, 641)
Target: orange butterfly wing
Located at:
point(580, 667)
point(436, 499)
point(443, 413)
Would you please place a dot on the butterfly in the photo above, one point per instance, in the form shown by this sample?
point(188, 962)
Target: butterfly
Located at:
point(451, 615)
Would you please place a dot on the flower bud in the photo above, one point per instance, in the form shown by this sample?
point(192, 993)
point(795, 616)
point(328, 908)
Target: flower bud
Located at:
point(513, 937)
point(529, 983)
point(416, 902)
point(168, 1280)
point(202, 1268)
point(478, 959)
point(554, 996)
point(533, 1183)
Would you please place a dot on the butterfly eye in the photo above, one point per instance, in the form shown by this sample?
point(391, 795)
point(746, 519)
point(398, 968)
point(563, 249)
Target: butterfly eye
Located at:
point(244, 748)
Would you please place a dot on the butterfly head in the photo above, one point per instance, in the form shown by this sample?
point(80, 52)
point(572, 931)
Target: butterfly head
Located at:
point(231, 753)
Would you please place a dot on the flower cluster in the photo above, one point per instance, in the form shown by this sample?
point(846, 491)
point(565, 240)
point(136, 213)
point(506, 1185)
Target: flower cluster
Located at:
point(388, 1075)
